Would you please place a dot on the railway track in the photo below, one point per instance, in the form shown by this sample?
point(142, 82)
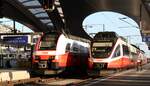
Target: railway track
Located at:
point(56, 81)
point(68, 81)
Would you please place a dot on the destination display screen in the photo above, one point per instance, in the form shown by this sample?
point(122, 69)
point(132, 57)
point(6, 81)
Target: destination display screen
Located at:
point(99, 44)
point(48, 41)
point(17, 40)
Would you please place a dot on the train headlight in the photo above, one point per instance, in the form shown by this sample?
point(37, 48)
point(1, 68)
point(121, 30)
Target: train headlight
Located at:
point(56, 57)
point(37, 58)
point(51, 58)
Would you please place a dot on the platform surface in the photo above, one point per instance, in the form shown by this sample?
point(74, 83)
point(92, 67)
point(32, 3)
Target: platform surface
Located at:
point(11, 74)
point(130, 77)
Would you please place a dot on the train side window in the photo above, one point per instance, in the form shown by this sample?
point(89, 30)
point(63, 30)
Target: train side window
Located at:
point(125, 50)
point(68, 47)
point(117, 51)
point(75, 49)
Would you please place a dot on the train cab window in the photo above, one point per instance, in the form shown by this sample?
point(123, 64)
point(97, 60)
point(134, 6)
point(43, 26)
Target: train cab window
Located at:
point(117, 52)
point(125, 50)
point(48, 41)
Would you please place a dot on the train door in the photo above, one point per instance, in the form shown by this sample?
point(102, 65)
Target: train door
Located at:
point(126, 56)
point(133, 55)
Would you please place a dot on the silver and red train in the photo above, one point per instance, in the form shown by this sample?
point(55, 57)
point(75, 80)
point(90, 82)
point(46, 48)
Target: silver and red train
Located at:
point(57, 52)
point(109, 51)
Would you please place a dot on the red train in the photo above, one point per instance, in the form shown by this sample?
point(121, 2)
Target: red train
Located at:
point(56, 52)
point(109, 51)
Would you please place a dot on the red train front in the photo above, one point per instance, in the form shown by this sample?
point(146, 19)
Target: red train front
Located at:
point(55, 52)
point(109, 51)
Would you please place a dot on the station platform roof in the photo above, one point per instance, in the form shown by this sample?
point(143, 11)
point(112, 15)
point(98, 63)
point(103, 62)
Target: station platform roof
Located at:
point(31, 13)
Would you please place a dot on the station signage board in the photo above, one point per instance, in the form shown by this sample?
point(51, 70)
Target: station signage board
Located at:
point(16, 40)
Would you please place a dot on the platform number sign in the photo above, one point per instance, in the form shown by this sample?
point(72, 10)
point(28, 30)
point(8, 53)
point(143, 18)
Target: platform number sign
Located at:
point(146, 38)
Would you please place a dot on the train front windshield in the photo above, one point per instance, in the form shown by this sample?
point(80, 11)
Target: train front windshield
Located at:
point(101, 50)
point(48, 42)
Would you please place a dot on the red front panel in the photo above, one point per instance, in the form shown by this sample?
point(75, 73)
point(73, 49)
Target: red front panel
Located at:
point(68, 60)
point(63, 60)
point(115, 64)
point(123, 62)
